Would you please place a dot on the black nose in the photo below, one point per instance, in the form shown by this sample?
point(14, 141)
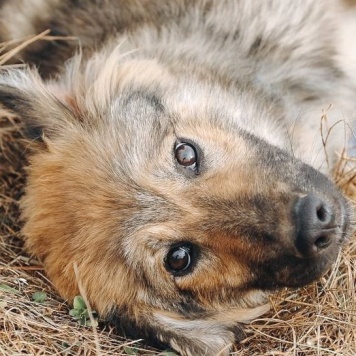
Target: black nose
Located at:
point(315, 225)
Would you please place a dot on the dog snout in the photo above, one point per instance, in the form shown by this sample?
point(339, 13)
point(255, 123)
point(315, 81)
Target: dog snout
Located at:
point(316, 225)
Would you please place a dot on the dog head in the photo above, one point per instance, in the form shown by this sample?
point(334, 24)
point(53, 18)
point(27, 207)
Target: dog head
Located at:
point(176, 198)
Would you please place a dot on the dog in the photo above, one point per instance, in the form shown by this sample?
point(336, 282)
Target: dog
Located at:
point(181, 154)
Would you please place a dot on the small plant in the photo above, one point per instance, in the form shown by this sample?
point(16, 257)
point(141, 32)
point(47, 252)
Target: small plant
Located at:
point(131, 350)
point(39, 297)
point(7, 289)
point(80, 313)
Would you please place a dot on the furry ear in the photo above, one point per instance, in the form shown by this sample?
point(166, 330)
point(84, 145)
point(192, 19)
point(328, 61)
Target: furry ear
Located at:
point(43, 113)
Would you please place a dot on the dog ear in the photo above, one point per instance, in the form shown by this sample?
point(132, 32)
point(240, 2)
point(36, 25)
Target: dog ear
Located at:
point(38, 104)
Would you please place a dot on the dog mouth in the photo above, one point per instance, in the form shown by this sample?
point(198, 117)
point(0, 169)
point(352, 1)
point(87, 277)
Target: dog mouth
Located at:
point(290, 271)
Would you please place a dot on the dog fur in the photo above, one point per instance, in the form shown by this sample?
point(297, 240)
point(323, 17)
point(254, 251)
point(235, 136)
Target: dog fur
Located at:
point(264, 91)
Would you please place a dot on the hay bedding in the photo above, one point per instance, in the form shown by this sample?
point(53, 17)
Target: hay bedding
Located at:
point(316, 320)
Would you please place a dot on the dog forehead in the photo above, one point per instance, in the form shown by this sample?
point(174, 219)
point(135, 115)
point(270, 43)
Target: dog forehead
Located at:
point(146, 93)
point(156, 121)
point(214, 110)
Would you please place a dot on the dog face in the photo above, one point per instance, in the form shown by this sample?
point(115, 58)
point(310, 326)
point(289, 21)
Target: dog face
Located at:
point(179, 208)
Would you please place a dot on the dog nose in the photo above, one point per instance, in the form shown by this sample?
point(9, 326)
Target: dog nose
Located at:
point(315, 225)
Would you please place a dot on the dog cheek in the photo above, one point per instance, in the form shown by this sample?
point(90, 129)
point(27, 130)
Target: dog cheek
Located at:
point(73, 224)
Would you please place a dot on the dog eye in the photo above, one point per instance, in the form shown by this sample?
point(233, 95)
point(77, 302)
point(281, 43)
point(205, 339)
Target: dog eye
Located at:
point(186, 155)
point(179, 258)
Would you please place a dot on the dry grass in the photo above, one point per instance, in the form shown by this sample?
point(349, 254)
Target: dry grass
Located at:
point(317, 320)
